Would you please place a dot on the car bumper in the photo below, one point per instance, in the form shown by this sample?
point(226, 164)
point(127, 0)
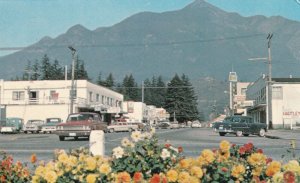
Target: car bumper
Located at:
point(73, 133)
point(223, 130)
point(7, 130)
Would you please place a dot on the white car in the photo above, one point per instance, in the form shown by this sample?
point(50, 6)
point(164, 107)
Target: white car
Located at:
point(122, 127)
point(196, 124)
point(174, 125)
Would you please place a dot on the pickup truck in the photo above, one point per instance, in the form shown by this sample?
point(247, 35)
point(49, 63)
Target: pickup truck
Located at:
point(50, 125)
point(80, 125)
point(240, 126)
point(33, 126)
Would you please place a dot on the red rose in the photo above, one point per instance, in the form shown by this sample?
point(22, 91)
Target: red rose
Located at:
point(242, 150)
point(180, 149)
point(289, 177)
point(260, 151)
point(167, 145)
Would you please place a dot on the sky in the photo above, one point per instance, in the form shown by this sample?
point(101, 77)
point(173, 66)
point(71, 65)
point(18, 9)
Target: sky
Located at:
point(24, 22)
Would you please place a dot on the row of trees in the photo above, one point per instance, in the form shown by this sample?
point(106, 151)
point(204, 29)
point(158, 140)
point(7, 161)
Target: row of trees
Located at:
point(177, 96)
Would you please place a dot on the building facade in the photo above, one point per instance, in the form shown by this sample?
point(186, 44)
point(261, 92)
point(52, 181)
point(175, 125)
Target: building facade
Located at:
point(285, 105)
point(51, 98)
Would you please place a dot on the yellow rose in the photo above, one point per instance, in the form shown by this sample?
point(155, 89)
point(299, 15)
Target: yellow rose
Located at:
point(91, 163)
point(208, 156)
point(293, 166)
point(257, 171)
point(185, 163)
point(257, 159)
point(40, 171)
point(238, 171)
point(51, 177)
point(72, 160)
point(196, 171)
point(277, 177)
point(35, 179)
point(172, 176)
point(91, 178)
point(194, 179)
point(63, 158)
point(223, 156)
point(105, 169)
point(224, 146)
point(184, 177)
point(273, 168)
point(123, 177)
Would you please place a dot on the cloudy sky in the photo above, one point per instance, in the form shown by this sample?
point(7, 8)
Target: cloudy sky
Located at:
point(24, 22)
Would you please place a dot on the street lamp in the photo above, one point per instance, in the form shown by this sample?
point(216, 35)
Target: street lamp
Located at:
point(72, 83)
point(269, 82)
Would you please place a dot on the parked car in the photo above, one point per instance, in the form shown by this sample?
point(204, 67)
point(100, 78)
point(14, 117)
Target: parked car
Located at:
point(33, 126)
point(12, 125)
point(164, 125)
point(174, 125)
point(80, 125)
point(240, 125)
point(122, 127)
point(196, 124)
point(50, 125)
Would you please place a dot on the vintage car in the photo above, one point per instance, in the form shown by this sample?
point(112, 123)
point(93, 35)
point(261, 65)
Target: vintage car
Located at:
point(80, 125)
point(33, 126)
point(12, 125)
point(240, 125)
point(196, 124)
point(50, 125)
point(122, 127)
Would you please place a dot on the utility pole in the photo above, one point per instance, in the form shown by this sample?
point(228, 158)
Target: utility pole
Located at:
point(72, 83)
point(269, 98)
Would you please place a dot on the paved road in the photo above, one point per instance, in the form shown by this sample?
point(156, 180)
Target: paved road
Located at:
point(193, 140)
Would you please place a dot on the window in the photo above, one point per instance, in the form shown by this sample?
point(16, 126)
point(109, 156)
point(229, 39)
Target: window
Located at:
point(33, 96)
point(277, 92)
point(243, 91)
point(97, 97)
point(91, 96)
point(18, 95)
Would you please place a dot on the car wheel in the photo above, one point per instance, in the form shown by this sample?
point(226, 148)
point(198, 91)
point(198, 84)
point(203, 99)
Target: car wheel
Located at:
point(246, 135)
point(111, 130)
point(25, 132)
point(239, 133)
point(262, 132)
point(75, 138)
point(222, 133)
point(61, 138)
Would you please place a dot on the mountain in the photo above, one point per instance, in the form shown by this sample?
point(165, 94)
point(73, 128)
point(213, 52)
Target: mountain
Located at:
point(199, 40)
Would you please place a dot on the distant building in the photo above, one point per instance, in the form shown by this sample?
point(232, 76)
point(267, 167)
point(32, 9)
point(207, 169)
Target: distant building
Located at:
point(51, 98)
point(140, 112)
point(285, 105)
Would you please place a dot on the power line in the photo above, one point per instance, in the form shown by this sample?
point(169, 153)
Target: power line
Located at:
point(135, 44)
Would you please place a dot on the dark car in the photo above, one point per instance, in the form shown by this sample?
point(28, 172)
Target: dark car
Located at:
point(80, 125)
point(164, 125)
point(240, 125)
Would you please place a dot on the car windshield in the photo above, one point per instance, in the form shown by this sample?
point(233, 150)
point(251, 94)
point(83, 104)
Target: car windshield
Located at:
point(53, 120)
point(13, 121)
point(80, 117)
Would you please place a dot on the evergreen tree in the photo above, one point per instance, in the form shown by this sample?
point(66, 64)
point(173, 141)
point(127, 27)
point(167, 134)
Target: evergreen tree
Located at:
point(46, 68)
point(110, 81)
point(174, 99)
point(27, 69)
point(57, 71)
point(100, 81)
point(147, 92)
point(35, 71)
point(160, 92)
point(190, 109)
point(130, 88)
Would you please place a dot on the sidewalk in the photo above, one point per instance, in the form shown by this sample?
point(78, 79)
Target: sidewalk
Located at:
point(284, 134)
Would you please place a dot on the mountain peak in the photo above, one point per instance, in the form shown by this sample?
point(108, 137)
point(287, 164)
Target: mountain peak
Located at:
point(78, 28)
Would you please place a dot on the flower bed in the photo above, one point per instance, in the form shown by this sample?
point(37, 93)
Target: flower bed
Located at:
point(142, 159)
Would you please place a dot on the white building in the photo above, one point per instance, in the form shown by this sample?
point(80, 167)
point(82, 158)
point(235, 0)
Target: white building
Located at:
point(51, 98)
point(285, 105)
point(140, 112)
